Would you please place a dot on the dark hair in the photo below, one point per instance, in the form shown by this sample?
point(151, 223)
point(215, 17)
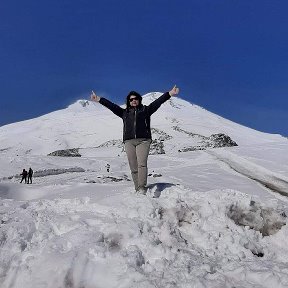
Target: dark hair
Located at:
point(134, 93)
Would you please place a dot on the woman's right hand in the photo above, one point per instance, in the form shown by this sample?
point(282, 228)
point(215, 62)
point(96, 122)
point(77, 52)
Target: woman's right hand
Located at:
point(94, 97)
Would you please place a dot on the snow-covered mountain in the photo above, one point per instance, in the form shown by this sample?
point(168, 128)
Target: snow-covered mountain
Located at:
point(215, 214)
point(178, 124)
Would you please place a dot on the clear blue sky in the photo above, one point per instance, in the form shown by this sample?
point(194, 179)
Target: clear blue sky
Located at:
point(230, 57)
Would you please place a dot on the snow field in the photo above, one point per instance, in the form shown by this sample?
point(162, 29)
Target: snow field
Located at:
point(181, 237)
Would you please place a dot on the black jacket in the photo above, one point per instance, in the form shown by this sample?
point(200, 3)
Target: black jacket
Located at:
point(136, 121)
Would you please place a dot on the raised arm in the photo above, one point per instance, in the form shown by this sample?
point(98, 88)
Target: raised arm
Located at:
point(117, 110)
point(154, 106)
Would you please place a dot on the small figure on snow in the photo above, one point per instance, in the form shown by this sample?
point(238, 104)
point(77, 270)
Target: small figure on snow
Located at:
point(24, 176)
point(137, 132)
point(30, 174)
point(108, 167)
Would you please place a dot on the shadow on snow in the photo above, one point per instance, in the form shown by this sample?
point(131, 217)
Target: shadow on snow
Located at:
point(157, 188)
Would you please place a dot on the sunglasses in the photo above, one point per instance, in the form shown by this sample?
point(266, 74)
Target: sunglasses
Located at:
point(134, 98)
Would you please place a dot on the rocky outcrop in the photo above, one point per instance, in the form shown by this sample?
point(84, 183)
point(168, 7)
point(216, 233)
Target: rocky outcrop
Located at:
point(191, 134)
point(157, 147)
point(74, 152)
point(57, 171)
point(84, 103)
point(160, 135)
point(111, 143)
point(220, 140)
point(213, 141)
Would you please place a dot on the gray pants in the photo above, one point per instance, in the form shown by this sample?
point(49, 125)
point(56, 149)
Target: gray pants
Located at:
point(137, 151)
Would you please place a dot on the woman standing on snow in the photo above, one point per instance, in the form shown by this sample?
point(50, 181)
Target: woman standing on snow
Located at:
point(136, 131)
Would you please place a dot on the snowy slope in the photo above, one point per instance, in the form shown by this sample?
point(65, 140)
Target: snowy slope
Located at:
point(85, 124)
point(211, 218)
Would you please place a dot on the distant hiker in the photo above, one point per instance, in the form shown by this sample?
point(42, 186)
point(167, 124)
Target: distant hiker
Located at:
point(108, 167)
point(24, 176)
point(30, 174)
point(136, 131)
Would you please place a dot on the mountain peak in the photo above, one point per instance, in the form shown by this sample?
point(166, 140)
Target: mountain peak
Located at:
point(88, 124)
point(81, 104)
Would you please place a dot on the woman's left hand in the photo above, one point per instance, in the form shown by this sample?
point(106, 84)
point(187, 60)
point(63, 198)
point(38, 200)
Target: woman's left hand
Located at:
point(174, 91)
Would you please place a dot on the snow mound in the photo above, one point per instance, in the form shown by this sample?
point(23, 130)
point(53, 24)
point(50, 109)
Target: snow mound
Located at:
point(265, 220)
point(181, 237)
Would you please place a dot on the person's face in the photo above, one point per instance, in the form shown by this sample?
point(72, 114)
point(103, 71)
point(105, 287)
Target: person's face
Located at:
point(134, 101)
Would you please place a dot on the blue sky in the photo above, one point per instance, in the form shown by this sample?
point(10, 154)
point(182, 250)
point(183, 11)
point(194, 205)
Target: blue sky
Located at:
point(230, 57)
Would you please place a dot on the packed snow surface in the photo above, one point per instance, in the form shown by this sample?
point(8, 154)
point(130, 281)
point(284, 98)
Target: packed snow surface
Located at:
point(211, 218)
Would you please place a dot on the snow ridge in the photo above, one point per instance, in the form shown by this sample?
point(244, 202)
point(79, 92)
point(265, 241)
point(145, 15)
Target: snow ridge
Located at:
point(273, 181)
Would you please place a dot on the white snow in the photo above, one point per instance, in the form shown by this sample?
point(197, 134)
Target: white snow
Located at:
point(211, 218)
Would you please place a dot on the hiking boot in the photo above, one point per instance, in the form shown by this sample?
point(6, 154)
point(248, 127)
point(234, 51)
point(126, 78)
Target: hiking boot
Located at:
point(141, 190)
